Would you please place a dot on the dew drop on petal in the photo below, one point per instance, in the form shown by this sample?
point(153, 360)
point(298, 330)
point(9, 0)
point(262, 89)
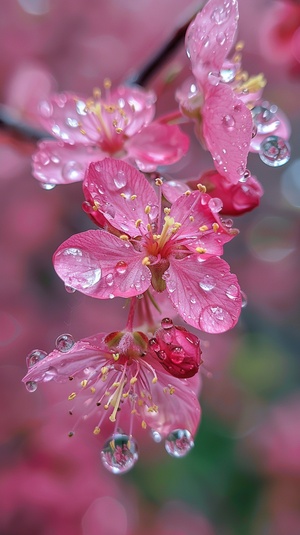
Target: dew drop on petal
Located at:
point(220, 15)
point(215, 205)
point(275, 151)
point(120, 179)
point(214, 319)
point(64, 343)
point(213, 78)
point(86, 274)
point(109, 279)
point(121, 267)
point(35, 356)
point(119, 453)
point(171, 286)
point(179, 443)
point(31, 386)
point(167, 323)
point(208, 283)
point(228, 122)
point(72, 171)
point(232, 291)
point(81, 107)
point(221, 38)
point(46, 109)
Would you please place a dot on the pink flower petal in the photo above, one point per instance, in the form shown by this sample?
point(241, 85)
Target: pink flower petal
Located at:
point(210, 36)
point(59, 163)
point(138, 105)
point(199, 211)
point(173, 189)
point(176, 399)
point(227, 129)
point(121, 194)
point(205, 294)
point(100, 265)
point(157, 144)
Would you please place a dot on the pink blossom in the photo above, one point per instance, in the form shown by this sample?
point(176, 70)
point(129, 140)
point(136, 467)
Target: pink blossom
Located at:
point(118, 123)
point(120, 381)
point(220, 98)
point(134, 250)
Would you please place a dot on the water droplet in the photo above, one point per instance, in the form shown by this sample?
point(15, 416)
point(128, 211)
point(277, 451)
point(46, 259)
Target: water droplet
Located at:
point(121, 267)
point(179, 443)
point(228, 122)
point(46, 109)
point(73, 123)
point(171, 286)
point(215, 205)
point(43, 158)
point(35, 356)
point(205, 41)
point(162, 355)
point(64, 343)
point(232, 291)
point(47, 187)
point(81, 107)
point(208, 283)
point(215, 319)
point(213, 78)
point(177, 355)
point(254, 131)
point(119, 453)
point(156, 436)
point(109, 279)
point(84, 274)
point(265, 118)
point(193, 300)
point(275, 151)
point(244, 299)
point(220, 15)
point(69, 289)
point(31, 386)
point(153, 344)
point(120, 179)
point(73, 171)
point(221, 38)
point(167, 323)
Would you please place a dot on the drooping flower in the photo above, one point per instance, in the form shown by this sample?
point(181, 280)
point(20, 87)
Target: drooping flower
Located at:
point(118, 123)
point(135, 250)
point(224, 102)
point(121, 384)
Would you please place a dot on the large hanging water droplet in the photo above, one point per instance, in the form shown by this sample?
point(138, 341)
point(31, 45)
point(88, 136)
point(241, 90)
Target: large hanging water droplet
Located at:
point(156, 436)
point(275, 151)
point(232, 291)
point(119, 453)
point(120, 179)
point(179, 443)
point(73, 171)
point(167, 323)
point(69, 289)
point(31, 386)
point(265, 118)
point(215, 205)
point(83, 275)
point(244, 299)
point(208, 283)
point(47, 186)
point(35, 356)
point(64, 343)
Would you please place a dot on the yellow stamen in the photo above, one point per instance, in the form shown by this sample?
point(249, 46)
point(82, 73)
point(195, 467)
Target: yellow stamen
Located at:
point(133, 197)
point(158, 182)
point(146, 261)
point(124, 237)
point(96, 430)
point(72, 396)
point(203, 228)
point(215, 227)
point(83, 383)
point(200, 250)
point(201, 188)
point(147, 209)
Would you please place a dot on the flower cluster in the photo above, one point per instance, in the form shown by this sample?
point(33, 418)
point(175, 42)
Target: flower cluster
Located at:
point(155, 242)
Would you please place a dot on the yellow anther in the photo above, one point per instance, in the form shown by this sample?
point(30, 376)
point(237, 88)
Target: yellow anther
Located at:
point(82, 131)
point(83, 383)
point(191, 218)
point(138, 223)
point(154, 380)
point(96, 430)
point(147, 209)
point(133, 380)
point(93, 389)
point(187, 193)
point(140, 403)
point(215, 227)
point(200, 250)
point(96, 206)
point(201, 188)
point(72, 396)
point(124, 237)
point(156, 236)
point(133, 197)
point(167, 211)
point(107, 393)
point(134, 411)
point(125, 395)
point(237, 58)
point(203, 228)
point(107, 83)
point(144, 425)
point(154, 408)
point(115, 123)
point(149, 227)
point(117, 383)
point(104, 370)
point(96, 92)
point(116, 356)
point(110, 109)
point(119, 130)
point(146, 261)
point(172, 390)
point(240, 45)
point(123, 195)
point(158, 182)
point(112, 417)
point(253, 84)
point(106, 406)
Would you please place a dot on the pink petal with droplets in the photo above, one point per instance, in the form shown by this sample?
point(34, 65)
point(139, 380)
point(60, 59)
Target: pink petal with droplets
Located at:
point(206, 294)
point(100, 265)
point(173, 189)
point(210, 36)
point(59, 163)
point(157, 144)
point(227, 130)
point(138, 105)
point(121, 193)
